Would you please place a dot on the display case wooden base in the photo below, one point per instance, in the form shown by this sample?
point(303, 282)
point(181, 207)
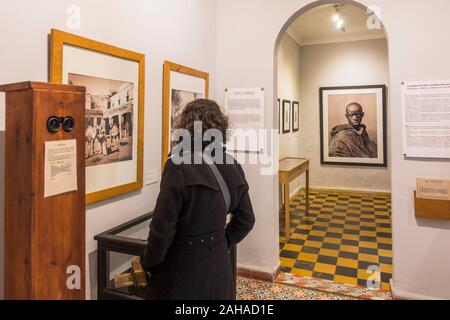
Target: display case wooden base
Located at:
point(431, 209)
point(44, 236)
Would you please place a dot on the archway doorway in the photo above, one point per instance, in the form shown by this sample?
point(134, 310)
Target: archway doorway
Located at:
point(331, 61)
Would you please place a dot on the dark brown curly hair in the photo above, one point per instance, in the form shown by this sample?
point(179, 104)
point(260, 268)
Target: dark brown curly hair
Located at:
point(206, 111)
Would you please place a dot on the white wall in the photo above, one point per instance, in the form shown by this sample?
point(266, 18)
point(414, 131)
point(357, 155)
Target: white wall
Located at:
point(177, 30)
point(339, 64)
point(289, 84)
point(418, 50)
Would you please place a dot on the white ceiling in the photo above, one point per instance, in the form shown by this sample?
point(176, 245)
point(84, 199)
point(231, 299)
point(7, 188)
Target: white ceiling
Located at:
point(317, 27)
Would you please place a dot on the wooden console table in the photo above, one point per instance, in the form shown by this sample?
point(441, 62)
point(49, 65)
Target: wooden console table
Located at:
point(291, 168)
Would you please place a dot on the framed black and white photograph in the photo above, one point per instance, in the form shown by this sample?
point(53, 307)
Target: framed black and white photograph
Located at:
point(295, 116)
point(353, 125)
point(114, 112)
point(286, 111)
point(181, 85)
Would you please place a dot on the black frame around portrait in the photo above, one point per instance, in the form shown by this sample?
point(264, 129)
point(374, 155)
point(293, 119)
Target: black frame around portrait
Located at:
point(295, 104)
point(288, 104)
point(384, 126)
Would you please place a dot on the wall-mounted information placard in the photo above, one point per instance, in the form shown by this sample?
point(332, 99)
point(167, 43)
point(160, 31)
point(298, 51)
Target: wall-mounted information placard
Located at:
point(245, 108)
point(426, 119)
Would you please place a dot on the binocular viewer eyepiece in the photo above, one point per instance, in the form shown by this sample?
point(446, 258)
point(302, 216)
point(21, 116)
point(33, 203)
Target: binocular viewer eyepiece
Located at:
point(54, 123)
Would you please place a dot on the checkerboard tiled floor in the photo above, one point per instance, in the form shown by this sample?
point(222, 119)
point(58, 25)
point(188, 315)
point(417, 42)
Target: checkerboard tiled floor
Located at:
point(342, 238)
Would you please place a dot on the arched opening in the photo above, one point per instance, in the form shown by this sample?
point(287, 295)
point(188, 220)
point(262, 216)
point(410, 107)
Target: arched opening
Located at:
point(330, 83)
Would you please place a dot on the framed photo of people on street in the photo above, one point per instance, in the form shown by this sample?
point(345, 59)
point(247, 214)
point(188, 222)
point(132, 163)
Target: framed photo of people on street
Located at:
point(114, 113)
point(353, 125)
point(181, 85)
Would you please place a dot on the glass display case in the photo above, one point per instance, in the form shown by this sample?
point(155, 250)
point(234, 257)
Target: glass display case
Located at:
point(118, 274)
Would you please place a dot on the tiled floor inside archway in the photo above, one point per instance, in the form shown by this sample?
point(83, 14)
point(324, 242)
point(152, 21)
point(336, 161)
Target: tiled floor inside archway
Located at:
point(346, 238)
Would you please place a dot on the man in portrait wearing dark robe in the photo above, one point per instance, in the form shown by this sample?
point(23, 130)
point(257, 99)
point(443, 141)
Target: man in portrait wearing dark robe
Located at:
point(351, 140)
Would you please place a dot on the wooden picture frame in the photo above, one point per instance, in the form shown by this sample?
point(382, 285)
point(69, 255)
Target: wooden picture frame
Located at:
point(61, 43)
point(336, 146)
point(286, 110)
point(295, 116)
point(168, 86)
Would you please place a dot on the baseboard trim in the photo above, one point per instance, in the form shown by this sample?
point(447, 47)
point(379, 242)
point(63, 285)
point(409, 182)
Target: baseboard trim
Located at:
point(248, 272)
point(358, 191)
point(404, 295)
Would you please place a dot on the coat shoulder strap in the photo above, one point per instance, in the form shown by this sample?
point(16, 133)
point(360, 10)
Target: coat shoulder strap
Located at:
point(222, 184)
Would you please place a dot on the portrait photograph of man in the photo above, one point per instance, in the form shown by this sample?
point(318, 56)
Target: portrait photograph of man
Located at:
point(353, 125)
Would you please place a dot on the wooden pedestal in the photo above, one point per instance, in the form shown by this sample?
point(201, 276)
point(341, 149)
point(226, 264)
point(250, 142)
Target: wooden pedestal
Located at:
point(43, 236)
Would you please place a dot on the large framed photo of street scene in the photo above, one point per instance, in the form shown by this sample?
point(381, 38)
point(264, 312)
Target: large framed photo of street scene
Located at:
point(353, 125)
point(181, 85)
point(114, 113)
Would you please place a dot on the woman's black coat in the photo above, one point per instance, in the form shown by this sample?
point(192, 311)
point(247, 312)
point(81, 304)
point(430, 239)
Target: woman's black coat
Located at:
point(188, 246)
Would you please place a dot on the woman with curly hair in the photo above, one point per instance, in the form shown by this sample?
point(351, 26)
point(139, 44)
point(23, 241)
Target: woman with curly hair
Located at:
point(187, 255)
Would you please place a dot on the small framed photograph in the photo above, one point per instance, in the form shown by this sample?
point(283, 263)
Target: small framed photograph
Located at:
point(353, 125)
point(286, 116)
point(295, 116)
point(181, 85)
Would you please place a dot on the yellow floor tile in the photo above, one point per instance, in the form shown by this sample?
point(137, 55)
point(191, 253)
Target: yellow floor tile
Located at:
point(386, 268)
point(368, 224)
point(368, 258)
point(317, 233)
point(350, 237)
point(351, 249)
point(314, 244)
point(366, 244)
point(325, 268)
point(384, 240)
point(329, 252)
point(332, 240)
point(292, 247)
point(350, 263)
point(301, 272)
point(346, 280)
point(286, 262)
point(299, 236)
point(368, 233)
point(385, 286)
point(334, 230)
point(310, 257)
point(385, 253)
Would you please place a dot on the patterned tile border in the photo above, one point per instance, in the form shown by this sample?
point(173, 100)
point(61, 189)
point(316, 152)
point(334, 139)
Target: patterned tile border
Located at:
point(333, 287)
point(250, 289)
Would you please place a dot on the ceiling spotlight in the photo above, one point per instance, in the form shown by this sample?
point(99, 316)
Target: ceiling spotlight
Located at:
point(337, 17)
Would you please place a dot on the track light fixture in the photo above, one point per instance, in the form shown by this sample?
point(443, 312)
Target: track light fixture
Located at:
point(338, 18)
